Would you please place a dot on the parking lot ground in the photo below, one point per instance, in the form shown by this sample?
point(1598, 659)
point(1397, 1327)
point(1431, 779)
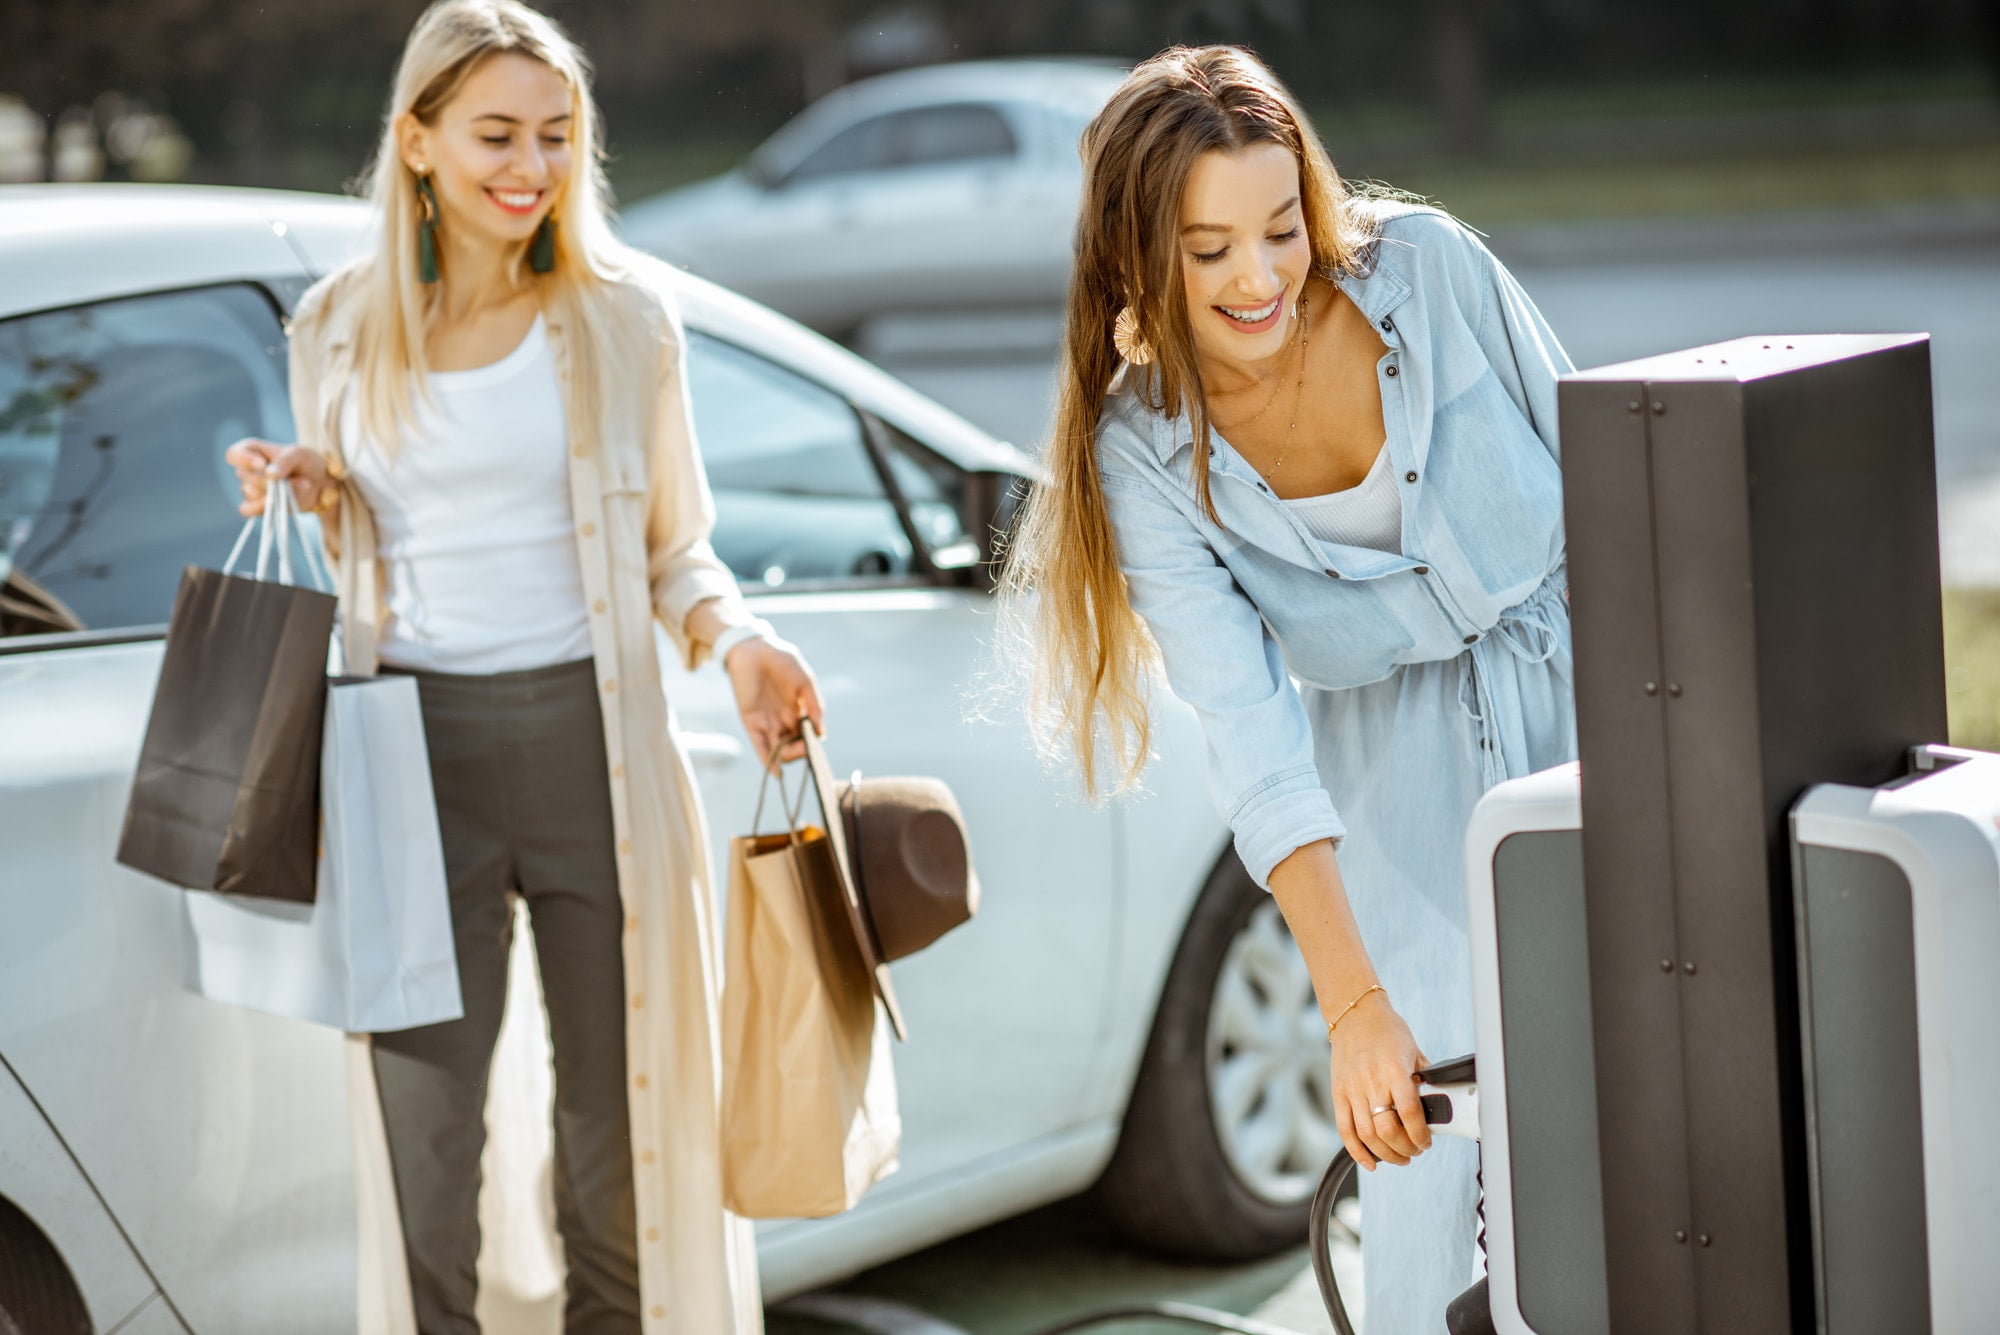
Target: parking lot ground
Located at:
point(1027, 1273)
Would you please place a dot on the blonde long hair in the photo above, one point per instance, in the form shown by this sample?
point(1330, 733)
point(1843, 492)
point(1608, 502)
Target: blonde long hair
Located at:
point(1065, 611)
point(452, 39)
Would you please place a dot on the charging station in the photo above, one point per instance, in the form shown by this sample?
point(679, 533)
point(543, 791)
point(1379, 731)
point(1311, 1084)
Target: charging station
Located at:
point(1738, 972)
point(1753, 551)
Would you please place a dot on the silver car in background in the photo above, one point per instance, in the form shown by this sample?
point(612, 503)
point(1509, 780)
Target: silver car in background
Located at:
point(941, 187)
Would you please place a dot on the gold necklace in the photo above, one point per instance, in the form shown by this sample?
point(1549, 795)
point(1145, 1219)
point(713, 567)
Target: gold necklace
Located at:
point(1298, 394)
point(1271, 395)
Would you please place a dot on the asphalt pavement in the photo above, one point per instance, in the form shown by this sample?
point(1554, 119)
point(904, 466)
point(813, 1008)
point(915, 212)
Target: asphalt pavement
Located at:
point(1025, 1274)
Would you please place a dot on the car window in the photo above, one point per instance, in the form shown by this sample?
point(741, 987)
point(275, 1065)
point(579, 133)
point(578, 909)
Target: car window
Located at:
point(863, 146)
point(934, 493)
point(918, 137)
point(113, 419)
point(797, 496)
point(964, 132)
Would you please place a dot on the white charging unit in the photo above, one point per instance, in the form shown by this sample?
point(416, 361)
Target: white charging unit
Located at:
point(1897, 898)
point(1537, 1093)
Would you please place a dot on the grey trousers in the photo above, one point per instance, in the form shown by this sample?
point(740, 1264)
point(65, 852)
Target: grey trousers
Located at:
point(524, 808)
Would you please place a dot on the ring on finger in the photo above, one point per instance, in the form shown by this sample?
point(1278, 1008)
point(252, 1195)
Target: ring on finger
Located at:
point(1379, 1109)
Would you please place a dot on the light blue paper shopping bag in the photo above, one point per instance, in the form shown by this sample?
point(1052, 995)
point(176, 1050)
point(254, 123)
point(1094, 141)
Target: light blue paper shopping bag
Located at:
point(375, 951)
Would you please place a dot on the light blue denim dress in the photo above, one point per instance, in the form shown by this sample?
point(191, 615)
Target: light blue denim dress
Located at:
point(1372, 696)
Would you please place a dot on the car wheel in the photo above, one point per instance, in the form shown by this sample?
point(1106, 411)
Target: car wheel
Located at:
point(36, 1292)
point(1230, 1124)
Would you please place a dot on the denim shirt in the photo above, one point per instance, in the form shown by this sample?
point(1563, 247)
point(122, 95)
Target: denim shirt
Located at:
point(1241, 608)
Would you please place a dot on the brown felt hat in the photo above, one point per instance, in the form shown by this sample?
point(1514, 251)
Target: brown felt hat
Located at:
point(906, 867)
point(911, 863)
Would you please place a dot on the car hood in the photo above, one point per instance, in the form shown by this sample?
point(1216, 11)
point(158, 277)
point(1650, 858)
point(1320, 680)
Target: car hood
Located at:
point(669, 223)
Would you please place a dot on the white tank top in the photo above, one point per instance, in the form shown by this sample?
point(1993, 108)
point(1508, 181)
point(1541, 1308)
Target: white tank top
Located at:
point(1368, 514)
point(473, 522)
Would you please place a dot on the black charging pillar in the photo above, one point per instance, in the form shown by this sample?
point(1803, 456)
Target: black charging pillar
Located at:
point(1753, 566)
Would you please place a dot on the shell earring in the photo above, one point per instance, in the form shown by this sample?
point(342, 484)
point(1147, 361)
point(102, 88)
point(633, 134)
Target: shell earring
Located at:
point(1125, 336)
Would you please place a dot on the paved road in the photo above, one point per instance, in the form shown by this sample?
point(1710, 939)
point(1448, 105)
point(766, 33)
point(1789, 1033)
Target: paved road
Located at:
point(997, 370)
point(1028, 1273)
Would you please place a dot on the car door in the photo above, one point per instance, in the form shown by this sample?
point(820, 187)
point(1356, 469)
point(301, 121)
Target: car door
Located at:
point(1005, 1013)
point(217, 1137)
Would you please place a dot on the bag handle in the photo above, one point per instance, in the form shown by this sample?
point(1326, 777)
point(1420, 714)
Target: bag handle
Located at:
point(792, 807)
point(277, 528)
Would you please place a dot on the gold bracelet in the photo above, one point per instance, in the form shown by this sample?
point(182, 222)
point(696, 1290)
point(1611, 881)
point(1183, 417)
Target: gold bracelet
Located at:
point(1372, 987)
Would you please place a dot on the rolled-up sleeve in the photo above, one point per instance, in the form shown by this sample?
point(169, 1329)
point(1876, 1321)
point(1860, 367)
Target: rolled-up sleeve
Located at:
point(682, 566)
point(1221, 660)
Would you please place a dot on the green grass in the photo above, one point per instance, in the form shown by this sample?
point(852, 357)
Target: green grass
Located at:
point(1972, 666)
point(1626, 103)
point(1702, 147)
point(1743, 94)
point(1486, 193)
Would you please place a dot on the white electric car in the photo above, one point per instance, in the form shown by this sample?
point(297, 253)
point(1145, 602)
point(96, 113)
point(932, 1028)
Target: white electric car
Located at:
point(938, 188)
point(1126, 1010)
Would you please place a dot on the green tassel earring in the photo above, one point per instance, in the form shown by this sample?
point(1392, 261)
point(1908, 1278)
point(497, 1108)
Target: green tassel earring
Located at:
point(427, 246)
point(542, 254)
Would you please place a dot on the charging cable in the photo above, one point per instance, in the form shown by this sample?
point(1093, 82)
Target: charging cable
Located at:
point(1451, 1107)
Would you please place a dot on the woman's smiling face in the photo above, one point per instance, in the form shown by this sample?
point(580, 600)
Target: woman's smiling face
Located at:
point(499, 150)
point(1245, 255)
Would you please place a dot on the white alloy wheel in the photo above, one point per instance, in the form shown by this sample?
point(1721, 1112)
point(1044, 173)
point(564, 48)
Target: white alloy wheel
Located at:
point(1267, 1062)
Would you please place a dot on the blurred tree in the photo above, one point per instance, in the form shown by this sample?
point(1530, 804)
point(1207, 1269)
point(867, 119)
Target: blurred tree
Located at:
point(291, 93)
point(1989, 39)
point(270, 66)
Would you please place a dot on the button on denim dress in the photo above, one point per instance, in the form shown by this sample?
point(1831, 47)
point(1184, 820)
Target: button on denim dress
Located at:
point(1368, 696)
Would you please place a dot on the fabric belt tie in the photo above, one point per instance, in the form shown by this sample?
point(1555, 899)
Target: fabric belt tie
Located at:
point(1532, 631)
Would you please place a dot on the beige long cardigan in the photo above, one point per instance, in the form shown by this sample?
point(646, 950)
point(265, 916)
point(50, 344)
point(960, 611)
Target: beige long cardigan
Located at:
point(643, 516)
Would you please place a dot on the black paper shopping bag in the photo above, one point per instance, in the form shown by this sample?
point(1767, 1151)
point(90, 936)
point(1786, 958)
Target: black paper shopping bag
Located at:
point(226, 796)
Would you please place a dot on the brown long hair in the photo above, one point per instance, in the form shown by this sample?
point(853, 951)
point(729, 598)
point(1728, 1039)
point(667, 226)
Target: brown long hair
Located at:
point(1066, 614)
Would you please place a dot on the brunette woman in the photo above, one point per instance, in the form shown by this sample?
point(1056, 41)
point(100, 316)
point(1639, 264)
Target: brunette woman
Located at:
point(1304, 466)
point(494, 430)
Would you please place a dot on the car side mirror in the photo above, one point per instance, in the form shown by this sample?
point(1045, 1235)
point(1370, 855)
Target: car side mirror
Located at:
point(993, 503)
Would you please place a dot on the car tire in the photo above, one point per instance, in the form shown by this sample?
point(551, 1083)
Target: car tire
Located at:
point(1182, 1179)
point(36, 1292)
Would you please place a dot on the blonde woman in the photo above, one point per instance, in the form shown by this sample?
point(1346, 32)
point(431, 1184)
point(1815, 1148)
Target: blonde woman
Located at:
point(1304, 461)
point(494, 430)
